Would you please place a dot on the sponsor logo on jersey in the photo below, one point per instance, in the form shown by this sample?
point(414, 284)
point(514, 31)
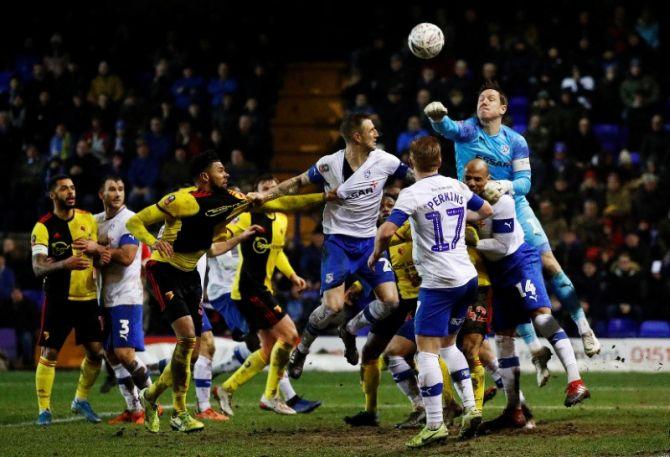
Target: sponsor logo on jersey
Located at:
point(493, 162)
point(260, 245)
point(329, 278)
point(359, 193)
point(59, 248)
point(222, 209)
point(324, 168)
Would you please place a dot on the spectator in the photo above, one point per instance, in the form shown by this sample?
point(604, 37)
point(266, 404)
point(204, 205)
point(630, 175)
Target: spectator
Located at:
point(639, 93)
point(159, 143)
point(84, 169)
point(105, 84)
point(392, 113)
point(121, 144)
point(656, 146)
point(569, 252)
point(142, 177)
point(566, 116)
point(649, 203)
point(588, 224)
point(456, 105)
point(413, 132)
point(617, 197)
point(25, 320)
point(624, 291)
point(174, 173)
point(429, 81)
point(461, 81)
point(251, 142)
point(581, 85)
point(242, 173)
point(637, 250)
point(40, 120)
point(554, 225)
point(159, 89)
point(189, 140)
point(98, 140)
point(584, 145)
point(310, 258)
point(77, 115)
point(657, 294)
point(27, 185)
point(217, 145)
point(590, 284)
point(61, 143)
point(225, 116)
point(187, 89)
point(116, 166)
point(223, 84)
point(197, 119)
point(607, 104)
point(7, 280)
point(362, 105)
point(538, 137)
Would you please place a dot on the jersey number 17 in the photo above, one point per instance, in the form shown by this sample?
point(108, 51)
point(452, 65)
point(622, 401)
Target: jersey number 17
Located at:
point(436, 217)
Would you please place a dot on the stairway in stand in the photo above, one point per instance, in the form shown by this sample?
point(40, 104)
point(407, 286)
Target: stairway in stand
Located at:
point(306, 122)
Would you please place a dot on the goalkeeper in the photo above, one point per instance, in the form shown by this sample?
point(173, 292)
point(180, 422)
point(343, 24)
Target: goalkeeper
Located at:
point(507, 156)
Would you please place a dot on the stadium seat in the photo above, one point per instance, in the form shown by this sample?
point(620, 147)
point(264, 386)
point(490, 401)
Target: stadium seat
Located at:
point(35, 295)
point(600, 327)
point(609, 136)
point(518, 104)
point(519, 128)
point(655, 329)
point(8, 342)
point(622, 328)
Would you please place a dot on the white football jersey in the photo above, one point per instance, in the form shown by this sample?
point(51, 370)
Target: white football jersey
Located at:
point(201, 266)
point(120, 285)
point(500, 235)
point(356, 213)
point(222, 270)
point(437, 208)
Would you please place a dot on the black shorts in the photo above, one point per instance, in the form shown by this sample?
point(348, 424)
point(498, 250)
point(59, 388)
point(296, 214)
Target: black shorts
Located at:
point(478, 318)
point(260, 309)
point(179, 293)
point(59, 317)
point(390, 324)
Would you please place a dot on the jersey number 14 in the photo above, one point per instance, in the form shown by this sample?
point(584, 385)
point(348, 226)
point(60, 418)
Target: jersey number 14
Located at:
point(436, 217)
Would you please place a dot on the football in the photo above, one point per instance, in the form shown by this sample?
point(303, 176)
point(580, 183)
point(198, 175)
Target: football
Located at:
point(425, 40)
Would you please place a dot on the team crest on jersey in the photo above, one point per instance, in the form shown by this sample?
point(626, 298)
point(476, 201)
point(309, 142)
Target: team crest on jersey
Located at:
point(169, 295)
point(260, 245)
point(45, 335)
point(505, 149)
point(170, 198)
point(329, 278)
point(457, 322)
point(367, 174)
point(324, 168)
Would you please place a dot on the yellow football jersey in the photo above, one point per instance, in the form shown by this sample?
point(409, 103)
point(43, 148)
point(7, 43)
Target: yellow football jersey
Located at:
point(400, 251)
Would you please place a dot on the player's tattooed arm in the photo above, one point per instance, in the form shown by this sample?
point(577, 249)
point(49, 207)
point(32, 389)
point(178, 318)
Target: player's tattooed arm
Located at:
point(44, 265)
point(288, 187)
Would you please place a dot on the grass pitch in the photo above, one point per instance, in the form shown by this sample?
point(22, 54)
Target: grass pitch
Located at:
point(628, 414)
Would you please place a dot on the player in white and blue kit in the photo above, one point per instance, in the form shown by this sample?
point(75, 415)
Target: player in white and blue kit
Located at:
point(122, 295)
point(519, 293)
point(437, 207)
point(507, 155)
point(353, 179)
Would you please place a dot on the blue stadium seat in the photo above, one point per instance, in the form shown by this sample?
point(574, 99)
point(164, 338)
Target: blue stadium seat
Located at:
point(519, 128)
point(622, 328)
point(600, 327)
point(655, 329)
point(518, 103)
point(8, 342)
point(35, 295)
point(609, 136)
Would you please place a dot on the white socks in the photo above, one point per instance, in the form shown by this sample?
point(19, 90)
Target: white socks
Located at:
point(202, 376)
point(549, 328)
point(286, 388)
point(405, 379)
point(508, 360)
point(460, 374)
point(127, 387)
point(431, 385)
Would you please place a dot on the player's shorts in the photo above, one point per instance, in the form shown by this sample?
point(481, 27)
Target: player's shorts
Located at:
point(518, 289)
point(441, 312)
point(345, 256)
point(260, 309)
point(478, 317)
point(206, 324)
point(59, 317)
point(533, 233)
point(178, 292)
point(235, 321)
point(123, 327)
point(389, 326)
point(406, 330)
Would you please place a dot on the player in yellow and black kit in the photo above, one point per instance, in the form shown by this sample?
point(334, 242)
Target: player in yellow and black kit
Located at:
point(63, 250)
point(253, 295)
point(192, 218)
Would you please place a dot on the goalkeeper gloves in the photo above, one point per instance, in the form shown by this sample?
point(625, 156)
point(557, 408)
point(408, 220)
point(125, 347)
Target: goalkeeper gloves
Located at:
point(496, 189)
point(435, 111)
point(471, 236)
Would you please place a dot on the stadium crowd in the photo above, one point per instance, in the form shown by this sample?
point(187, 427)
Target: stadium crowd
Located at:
point(590, 100)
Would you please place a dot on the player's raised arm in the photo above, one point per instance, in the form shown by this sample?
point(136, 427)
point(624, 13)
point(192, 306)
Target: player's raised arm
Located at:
point(294, 202)
point(447, 127)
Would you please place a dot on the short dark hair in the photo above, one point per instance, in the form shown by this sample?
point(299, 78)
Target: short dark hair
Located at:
point(262, 178)
point(201, 162)
point(110, 178)
point(53, 182)
point(493, 85)
point(350, 124)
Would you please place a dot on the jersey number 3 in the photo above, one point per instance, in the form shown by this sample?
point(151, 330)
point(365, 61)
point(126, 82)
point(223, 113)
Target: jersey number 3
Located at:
point(436, 217)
